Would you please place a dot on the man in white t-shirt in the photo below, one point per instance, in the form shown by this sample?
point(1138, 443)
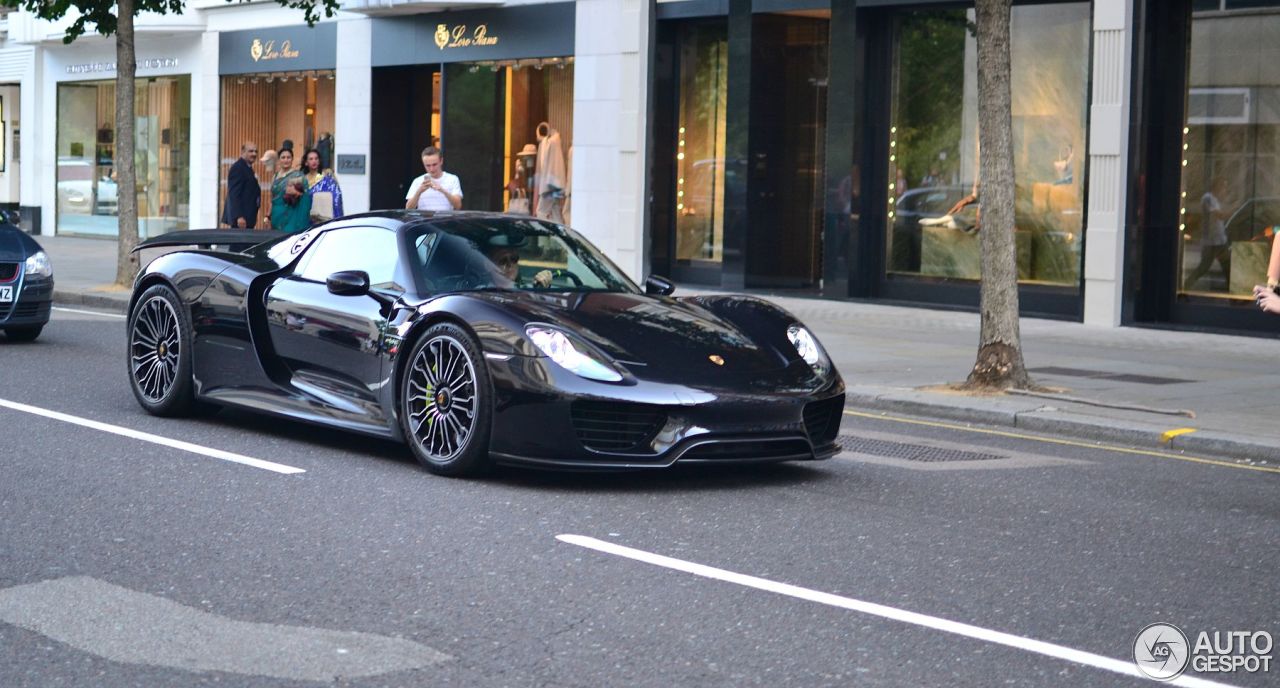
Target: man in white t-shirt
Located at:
point(437, 189)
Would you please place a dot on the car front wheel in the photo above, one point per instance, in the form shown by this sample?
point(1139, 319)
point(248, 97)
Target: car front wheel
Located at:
point(446, 402)
point(160, 353)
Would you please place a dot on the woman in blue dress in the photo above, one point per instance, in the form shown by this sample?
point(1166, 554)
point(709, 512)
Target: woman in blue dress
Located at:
point(321, 181)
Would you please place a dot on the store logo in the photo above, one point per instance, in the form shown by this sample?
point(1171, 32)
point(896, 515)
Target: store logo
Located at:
point(1160, 651)
point(458, 37)
point(267, 51)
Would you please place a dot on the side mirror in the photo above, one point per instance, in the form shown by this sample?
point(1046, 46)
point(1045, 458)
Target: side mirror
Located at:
point(348, 283)
point(658, 286)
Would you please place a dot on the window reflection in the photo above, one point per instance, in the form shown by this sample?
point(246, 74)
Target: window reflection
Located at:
point(87, 194)
point(1230, 193)
point(933, 197)
point(700, 143)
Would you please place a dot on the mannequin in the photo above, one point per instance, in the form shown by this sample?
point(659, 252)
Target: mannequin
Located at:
point(550, 177)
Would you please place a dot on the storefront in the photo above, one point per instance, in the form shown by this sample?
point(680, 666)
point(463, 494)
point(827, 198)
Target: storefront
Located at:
point(1206, 168)
point(493, 88)
point(817, 146)
point(84, 200)
point(277, 90)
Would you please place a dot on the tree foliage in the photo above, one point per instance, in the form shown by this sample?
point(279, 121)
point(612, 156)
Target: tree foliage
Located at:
point(101, 16)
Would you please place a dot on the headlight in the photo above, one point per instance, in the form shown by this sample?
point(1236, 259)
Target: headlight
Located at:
point(38, 265)
point(559, 348)
point(807, 346)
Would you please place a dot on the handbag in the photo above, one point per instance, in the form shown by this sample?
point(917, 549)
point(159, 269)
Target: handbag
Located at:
point(519, 203)
point(322, 206)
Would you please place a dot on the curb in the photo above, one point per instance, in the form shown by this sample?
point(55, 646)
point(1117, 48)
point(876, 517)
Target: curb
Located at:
point(115, 304)
point(1041, 418)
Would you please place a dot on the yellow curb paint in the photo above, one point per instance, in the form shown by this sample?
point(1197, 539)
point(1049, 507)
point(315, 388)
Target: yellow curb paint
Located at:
point(1069, 443)
point(1168, 436)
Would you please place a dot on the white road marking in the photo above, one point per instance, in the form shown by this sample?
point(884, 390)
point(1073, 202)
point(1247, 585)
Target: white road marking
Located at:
point(154, 439)
point(76, 310)
point(1007, 639)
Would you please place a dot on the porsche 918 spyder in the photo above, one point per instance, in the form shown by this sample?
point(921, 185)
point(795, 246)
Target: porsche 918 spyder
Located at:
point(476, 338)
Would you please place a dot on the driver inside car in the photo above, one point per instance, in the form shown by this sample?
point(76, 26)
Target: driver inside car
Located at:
point(502, 252)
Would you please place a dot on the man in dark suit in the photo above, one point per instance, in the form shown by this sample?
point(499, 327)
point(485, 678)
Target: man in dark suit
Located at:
point(244, 196)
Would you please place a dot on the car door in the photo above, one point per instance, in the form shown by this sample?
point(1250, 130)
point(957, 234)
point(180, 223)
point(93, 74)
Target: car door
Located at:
point(332, 345)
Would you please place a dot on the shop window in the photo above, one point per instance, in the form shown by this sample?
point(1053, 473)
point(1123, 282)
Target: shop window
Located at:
point(700, 142)
point(86, 197)
point(933, 199)
point(1229, 204)
point(274, 110)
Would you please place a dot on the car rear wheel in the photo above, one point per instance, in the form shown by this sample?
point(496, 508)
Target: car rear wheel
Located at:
point(160, 353)
point(23, 334)
point(446, 402)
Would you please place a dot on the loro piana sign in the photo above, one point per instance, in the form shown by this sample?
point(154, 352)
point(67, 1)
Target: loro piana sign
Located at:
point(278, 49)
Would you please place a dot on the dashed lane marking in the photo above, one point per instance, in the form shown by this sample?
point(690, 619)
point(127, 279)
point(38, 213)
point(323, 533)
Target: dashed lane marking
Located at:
point(154, 439)
point(1128, 668)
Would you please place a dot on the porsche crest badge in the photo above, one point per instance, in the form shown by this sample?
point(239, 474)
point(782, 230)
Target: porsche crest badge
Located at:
point(716, 359)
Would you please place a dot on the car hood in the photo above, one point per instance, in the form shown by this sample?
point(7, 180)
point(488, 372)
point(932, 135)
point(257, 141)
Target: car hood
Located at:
point(645, 331)
point(15, 246)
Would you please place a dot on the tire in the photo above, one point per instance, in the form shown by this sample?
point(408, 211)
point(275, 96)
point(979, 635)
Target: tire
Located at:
point(159, 353)
point(26, 333)
point(447, 421)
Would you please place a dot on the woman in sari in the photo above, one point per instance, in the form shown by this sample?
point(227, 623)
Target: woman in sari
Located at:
point(294, 213)
point(283, 212)
point(321, 182)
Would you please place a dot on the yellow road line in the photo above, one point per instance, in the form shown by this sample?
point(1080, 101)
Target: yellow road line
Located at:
point(1069, 443)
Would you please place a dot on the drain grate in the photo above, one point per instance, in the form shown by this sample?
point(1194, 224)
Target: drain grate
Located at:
point(909, 452)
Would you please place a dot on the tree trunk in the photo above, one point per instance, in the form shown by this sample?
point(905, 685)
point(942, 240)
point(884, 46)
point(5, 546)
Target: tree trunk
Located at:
point(127, 181)
point(999, 362)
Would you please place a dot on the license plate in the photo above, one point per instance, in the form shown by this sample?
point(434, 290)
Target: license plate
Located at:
point(6, 294)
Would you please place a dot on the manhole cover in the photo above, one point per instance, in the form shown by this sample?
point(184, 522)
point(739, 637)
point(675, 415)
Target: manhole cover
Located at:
point(909, 452)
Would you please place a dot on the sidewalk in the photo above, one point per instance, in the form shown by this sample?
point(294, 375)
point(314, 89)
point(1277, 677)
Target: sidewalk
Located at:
point(892, 357)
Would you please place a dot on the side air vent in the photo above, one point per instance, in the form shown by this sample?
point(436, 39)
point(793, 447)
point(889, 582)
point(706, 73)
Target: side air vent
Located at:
point(822, 419)
point(615, 427)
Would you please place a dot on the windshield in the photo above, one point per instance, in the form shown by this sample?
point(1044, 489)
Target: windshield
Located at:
point(468, 254)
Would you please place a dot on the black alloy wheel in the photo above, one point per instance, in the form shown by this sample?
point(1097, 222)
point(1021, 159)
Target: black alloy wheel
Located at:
point(446, 402)
point(160, 353)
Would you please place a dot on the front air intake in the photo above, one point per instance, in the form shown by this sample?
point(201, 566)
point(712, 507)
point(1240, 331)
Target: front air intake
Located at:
point(615, 427)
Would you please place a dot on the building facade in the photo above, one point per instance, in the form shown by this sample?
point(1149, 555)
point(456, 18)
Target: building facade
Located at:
point(814, 146)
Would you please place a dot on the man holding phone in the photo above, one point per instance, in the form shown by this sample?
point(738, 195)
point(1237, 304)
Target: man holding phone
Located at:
point(436, 189)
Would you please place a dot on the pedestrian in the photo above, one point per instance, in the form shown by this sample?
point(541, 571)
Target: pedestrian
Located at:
point(244, 195)
point(322, 185)
point(1267, 298)
point(1213, 234)
point(285, 173)
point(294, 211)
point(435, 189)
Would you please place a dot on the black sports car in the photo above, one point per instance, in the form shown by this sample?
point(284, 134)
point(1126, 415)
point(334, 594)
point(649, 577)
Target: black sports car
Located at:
point(477, 338)
point(26, 284)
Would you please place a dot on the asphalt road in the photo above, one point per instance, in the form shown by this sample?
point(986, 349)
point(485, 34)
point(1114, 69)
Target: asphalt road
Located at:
point(124, 562)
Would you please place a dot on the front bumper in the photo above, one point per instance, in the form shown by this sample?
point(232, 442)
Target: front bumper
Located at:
point(546, 417)
point(32, 301)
